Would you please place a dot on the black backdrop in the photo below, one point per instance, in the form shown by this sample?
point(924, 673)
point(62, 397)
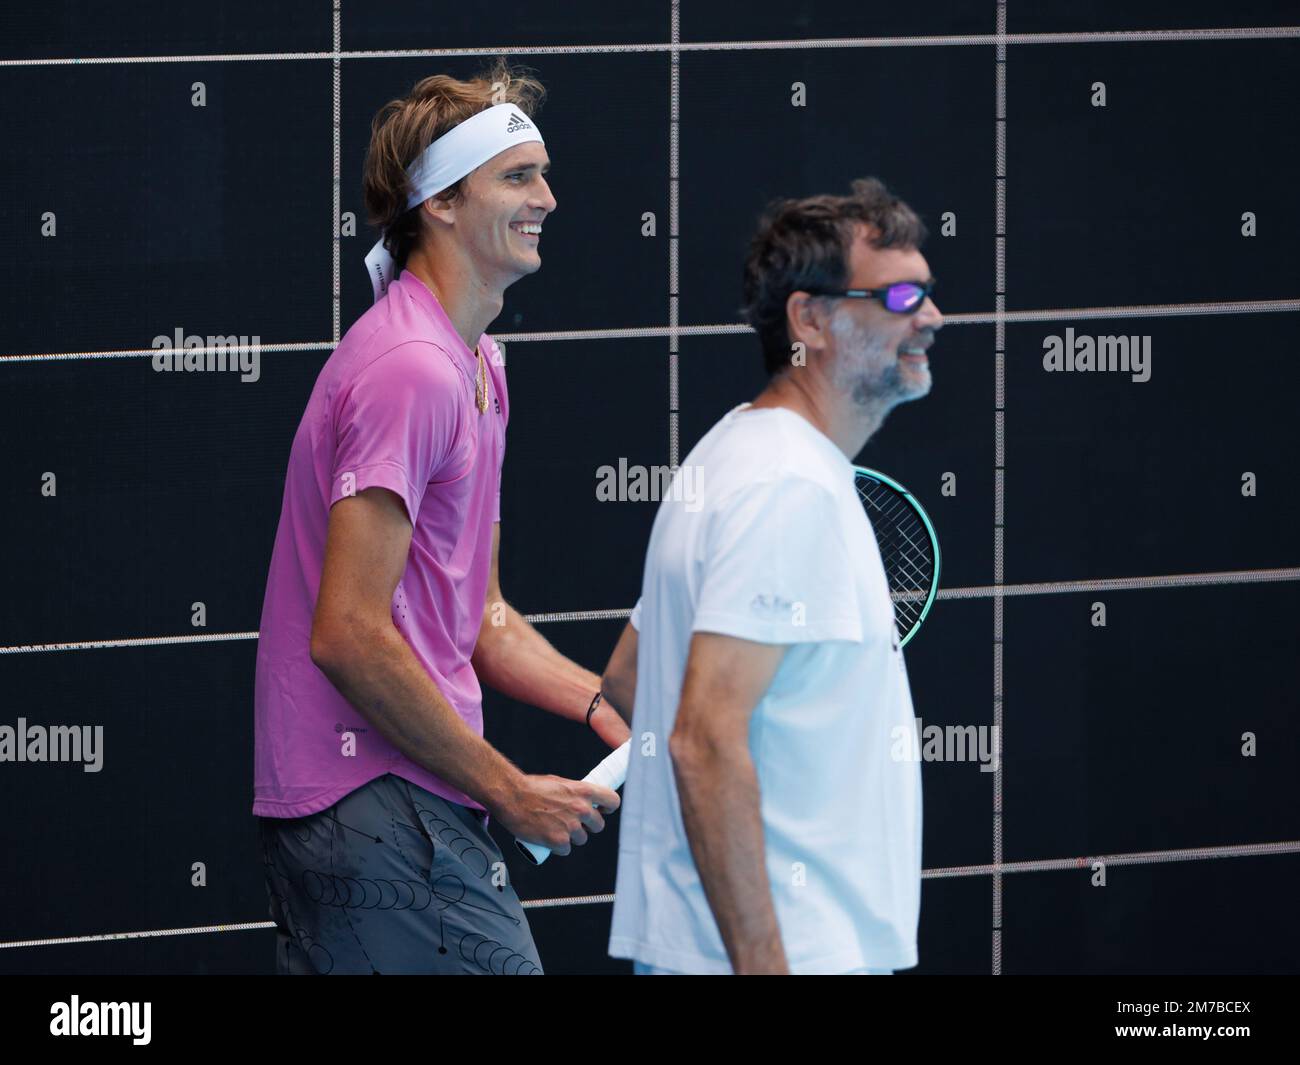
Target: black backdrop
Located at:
point(1122, 741)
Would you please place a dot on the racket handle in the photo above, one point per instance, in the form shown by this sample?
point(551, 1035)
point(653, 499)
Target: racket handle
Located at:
point(610, 773)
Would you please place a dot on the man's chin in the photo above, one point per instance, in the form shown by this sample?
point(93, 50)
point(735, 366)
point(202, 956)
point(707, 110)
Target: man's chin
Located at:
point(896, 396)
point(915, 385)
point(520, 268)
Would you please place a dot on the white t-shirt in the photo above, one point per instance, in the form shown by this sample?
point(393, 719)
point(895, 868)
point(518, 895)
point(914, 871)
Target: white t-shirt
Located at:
point(771, 544)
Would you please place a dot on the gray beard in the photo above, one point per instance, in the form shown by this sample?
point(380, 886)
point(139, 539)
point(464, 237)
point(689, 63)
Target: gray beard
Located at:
point(876, 393)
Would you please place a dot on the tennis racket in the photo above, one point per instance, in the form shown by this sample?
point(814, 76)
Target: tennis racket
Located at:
point(909, 550)
point(909, 547)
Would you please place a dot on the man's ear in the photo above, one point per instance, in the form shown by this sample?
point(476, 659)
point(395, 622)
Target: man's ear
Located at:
point(806, 321)
point(436, 212)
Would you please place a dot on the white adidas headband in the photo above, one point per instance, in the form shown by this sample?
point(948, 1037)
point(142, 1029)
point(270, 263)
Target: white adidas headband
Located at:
point(462, 149)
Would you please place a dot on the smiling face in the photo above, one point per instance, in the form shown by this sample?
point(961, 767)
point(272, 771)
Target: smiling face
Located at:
point(871, 347)
point(507, 197)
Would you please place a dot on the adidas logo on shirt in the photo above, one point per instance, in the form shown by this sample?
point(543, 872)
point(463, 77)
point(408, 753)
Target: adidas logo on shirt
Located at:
point(517, 123)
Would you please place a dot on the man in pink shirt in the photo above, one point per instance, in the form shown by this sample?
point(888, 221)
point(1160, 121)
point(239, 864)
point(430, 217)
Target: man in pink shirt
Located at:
point(372, 781)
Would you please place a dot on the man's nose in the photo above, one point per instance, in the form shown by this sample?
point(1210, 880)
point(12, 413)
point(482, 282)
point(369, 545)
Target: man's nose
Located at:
point(548, 200)
point(928, 316)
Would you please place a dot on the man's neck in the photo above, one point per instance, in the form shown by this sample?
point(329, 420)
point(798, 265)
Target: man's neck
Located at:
point(847, 425)
point(469, 302)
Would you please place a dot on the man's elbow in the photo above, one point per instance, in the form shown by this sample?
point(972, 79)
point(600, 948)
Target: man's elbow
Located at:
point(619, 691)
point(694, 765)
point(703, 753)
point(333, 646)
point(691, 751)
point(490, 632)
point(324, 651)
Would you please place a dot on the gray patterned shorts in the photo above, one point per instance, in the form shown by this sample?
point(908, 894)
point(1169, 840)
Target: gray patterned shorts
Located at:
point(393, 879)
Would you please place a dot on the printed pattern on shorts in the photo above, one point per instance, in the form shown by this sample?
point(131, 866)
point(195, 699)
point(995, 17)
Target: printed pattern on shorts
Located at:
point(393, 879)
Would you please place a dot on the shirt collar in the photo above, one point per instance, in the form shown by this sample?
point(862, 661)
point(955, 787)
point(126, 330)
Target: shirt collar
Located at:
point(802, 425)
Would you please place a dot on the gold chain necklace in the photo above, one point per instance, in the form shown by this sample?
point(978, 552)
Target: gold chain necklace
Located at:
point(480, 378)
point(480, 385)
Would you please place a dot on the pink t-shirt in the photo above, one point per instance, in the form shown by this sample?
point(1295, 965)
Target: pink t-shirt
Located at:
point(394, 406)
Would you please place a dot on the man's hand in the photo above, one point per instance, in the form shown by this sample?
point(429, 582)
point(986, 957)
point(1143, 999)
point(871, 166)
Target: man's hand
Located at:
point(555, 812)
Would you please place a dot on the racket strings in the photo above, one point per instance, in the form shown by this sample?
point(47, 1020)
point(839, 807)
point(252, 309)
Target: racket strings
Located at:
point(905, 549)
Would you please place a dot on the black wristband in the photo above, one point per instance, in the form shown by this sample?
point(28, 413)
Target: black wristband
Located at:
point(592, 708)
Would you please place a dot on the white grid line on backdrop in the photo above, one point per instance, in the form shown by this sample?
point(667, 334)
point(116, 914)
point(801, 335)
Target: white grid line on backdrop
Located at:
point(1112, 584)
point(672, 330)
point(999, 457)
point(1046, 865)
point(932, 41)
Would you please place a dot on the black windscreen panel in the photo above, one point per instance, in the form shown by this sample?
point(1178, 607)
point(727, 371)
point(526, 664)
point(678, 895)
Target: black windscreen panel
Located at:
point(1107, 452)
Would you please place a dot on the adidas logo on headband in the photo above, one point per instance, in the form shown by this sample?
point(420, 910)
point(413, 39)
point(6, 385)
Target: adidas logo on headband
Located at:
point(516, 123)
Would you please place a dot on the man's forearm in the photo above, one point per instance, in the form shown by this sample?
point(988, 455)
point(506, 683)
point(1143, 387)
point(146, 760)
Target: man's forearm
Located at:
point(722, 815)
point(620, 695)
point(517, 660)
point(380, 676)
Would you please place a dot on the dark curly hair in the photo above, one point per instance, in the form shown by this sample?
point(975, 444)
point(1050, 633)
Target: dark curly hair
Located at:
point(405, 127)
point(804, 244)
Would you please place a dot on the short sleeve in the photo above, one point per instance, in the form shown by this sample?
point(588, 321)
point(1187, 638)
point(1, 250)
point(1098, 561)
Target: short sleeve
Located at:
point(396, 425)
point(776, 567)
point(635, 619)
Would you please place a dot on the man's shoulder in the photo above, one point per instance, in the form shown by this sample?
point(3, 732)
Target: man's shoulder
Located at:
point(758, 455)
point(381, 351)
point(379, 375)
